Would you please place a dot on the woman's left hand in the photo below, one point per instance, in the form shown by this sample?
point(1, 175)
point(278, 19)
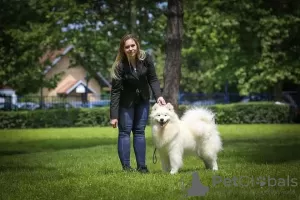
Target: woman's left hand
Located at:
point(161, 101)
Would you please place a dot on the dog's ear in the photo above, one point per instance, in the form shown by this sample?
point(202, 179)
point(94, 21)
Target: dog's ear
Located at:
point(155, 106)
point(170, 106)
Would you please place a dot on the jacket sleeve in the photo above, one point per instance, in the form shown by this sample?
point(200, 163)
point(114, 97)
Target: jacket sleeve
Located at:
point(115, 96)
point(152, 77)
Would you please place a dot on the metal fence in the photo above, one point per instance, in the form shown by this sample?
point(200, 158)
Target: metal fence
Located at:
point(90, 101)
point(52, 102)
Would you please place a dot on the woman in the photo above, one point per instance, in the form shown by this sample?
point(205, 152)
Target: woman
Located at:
point(132, 73)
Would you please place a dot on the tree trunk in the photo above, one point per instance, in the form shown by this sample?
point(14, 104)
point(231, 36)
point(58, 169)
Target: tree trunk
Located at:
point(172, 70)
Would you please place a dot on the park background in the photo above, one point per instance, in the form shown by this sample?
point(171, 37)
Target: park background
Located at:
point(239, 58)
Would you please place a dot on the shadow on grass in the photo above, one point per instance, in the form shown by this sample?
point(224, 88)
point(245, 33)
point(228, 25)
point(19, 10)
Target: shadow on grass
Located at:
point(264, 150)
point(24, 147)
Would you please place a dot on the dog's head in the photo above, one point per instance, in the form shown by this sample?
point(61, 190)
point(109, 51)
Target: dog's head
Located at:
point(162, 114)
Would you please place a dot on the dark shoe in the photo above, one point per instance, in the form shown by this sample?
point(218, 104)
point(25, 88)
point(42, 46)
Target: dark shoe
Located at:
point(143, 169)
point(128, 169)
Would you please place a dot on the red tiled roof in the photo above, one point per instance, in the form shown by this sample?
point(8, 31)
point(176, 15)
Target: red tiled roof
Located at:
point(66, 86)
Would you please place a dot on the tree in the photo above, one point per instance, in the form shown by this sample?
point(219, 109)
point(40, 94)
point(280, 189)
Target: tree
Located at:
point(172, 70)
point(27, 32)
point(210, 44)
point(251, 45)
point(30, 28)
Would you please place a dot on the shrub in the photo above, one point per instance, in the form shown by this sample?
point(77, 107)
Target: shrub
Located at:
point(93, 117)
point(264, 112)
point(242, 113)
point(249, 113)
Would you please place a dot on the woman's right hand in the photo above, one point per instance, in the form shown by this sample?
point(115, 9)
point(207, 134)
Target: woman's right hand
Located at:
point(114, 123)
point(161, 101)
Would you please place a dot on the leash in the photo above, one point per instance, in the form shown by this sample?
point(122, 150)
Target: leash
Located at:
point(154, 159)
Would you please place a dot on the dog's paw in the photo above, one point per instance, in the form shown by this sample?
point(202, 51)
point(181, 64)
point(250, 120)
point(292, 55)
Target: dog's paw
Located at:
point(215, 168)
point(173, 171)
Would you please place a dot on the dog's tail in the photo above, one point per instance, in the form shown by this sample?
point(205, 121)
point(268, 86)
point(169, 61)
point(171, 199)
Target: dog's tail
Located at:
point(195, 114)
point(201, 122)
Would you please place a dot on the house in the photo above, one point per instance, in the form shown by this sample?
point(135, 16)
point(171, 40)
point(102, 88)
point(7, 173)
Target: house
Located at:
point(7, 94)
point(72, 85)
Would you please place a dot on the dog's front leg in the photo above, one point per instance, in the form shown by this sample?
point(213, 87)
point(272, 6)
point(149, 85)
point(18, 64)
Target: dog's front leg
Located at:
point(165, 162)
point(175, 161)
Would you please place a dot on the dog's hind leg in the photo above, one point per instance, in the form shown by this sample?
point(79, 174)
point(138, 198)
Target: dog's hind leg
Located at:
point(210, 162)
point(208, 151)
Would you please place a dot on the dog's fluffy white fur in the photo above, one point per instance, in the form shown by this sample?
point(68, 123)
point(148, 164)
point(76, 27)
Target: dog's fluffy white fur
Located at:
point(195, 133)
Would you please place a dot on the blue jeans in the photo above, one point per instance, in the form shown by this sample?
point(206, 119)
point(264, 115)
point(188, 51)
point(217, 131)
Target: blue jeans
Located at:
point(133, 119)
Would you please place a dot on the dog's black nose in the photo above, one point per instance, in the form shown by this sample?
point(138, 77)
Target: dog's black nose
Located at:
point(161, 120)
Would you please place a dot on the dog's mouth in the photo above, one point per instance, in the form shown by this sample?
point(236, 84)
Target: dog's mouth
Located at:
point(163, 123)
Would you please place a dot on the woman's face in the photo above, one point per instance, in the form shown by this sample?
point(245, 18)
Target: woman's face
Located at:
point(130, 48)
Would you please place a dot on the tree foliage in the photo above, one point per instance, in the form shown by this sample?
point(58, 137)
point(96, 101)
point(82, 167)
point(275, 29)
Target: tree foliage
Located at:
point(28, 31)
point(32, 28)
point(250, 45)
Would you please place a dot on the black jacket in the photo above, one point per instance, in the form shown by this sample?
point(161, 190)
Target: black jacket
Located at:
point(132, 86)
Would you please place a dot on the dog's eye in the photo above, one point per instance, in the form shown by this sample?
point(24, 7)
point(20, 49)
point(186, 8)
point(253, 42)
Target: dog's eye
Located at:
point(165, 115)
point(159, 115)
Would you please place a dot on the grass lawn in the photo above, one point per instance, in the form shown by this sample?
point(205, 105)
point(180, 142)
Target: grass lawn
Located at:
point(258, 162)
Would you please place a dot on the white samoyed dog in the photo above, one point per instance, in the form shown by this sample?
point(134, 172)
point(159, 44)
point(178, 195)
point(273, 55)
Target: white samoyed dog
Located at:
point(195, 133)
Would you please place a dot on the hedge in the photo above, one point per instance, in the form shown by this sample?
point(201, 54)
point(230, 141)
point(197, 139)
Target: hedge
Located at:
point(242, 113)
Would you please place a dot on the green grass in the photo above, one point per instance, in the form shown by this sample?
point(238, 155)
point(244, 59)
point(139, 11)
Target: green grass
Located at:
point(82, 163)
